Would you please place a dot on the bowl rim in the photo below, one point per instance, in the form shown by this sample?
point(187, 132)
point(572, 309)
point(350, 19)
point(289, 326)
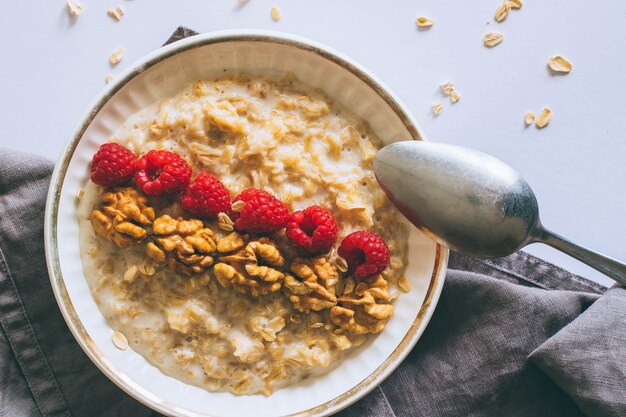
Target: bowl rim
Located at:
point(64, 302)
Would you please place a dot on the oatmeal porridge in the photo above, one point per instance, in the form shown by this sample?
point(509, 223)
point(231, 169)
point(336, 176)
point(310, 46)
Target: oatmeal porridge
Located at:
point(213, 301)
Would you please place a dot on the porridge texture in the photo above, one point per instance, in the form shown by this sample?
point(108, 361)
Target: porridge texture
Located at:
point(218, 307)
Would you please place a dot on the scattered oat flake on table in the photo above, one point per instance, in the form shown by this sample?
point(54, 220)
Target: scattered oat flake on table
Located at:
point(529, 118)
point(449, 90)
point(74, 7)
point(516, 4)
point(116, 13)
point(502, 11)
point(559, 64)
point(117, 56)
point(275, 14)
point(492, 39)
point(545, 117)
point(109, 78)
point(447, 87)
point(424, 22)
point(437, 108)
point(119, 340)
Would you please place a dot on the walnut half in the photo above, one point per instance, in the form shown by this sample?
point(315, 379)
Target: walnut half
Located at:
point(253, 269)
point(123, 217)
point(313, 288)
point(365, 308)
point(185, 246)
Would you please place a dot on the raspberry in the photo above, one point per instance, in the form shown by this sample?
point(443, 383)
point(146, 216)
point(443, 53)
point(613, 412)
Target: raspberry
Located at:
point(206, 197)
point(262, 213)
point(313, 229)
point(366, 253)
point(162, 172)
point(112, 165)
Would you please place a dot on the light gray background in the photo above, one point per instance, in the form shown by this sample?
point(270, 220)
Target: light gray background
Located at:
point(52, 66)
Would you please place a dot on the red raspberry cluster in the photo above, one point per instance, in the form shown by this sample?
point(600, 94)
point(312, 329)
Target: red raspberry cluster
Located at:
point(206, 197)
point(162, 172)
point(113, 165)
point(313, 230)
point(262, 213)
point(366, 253)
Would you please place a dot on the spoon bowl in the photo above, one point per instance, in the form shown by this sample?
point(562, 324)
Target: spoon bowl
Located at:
point(471, 202)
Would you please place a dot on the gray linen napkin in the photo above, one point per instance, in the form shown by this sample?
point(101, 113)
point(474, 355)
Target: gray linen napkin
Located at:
point(515, 336)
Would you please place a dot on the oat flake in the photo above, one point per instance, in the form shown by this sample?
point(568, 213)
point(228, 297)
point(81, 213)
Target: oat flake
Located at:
point(116, 13)
point(341, 264)
point(502, 11)
point(237, 206)
point(545, 117)
point(529, 118)
point(424, 22)
point(559, 64)
point(404, 284)
point(515, 4)
point(119, 340)
point(492, 39)
point(437, 108)
point(74, 7)
point(275, 14)
point(447, 87)
point(117, 56)
point(131, 273)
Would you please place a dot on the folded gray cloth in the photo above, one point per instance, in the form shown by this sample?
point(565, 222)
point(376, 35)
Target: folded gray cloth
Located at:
point(514, 337)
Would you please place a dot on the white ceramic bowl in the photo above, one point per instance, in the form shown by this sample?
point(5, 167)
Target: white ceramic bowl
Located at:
point(161, 74)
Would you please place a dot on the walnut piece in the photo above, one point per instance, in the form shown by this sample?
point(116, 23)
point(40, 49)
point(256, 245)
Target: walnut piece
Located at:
point(313, 287)
point(365, 309)
point(253, 269)
point(230, 243)
point(185, 246)
point(123, 217)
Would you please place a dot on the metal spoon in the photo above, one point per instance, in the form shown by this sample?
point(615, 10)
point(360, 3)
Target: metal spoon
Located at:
point(471, 202)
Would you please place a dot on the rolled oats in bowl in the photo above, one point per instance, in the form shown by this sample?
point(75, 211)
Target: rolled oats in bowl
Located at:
point(228, 309)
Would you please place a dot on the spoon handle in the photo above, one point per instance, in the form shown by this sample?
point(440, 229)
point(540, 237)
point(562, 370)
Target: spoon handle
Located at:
point(608, 266)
